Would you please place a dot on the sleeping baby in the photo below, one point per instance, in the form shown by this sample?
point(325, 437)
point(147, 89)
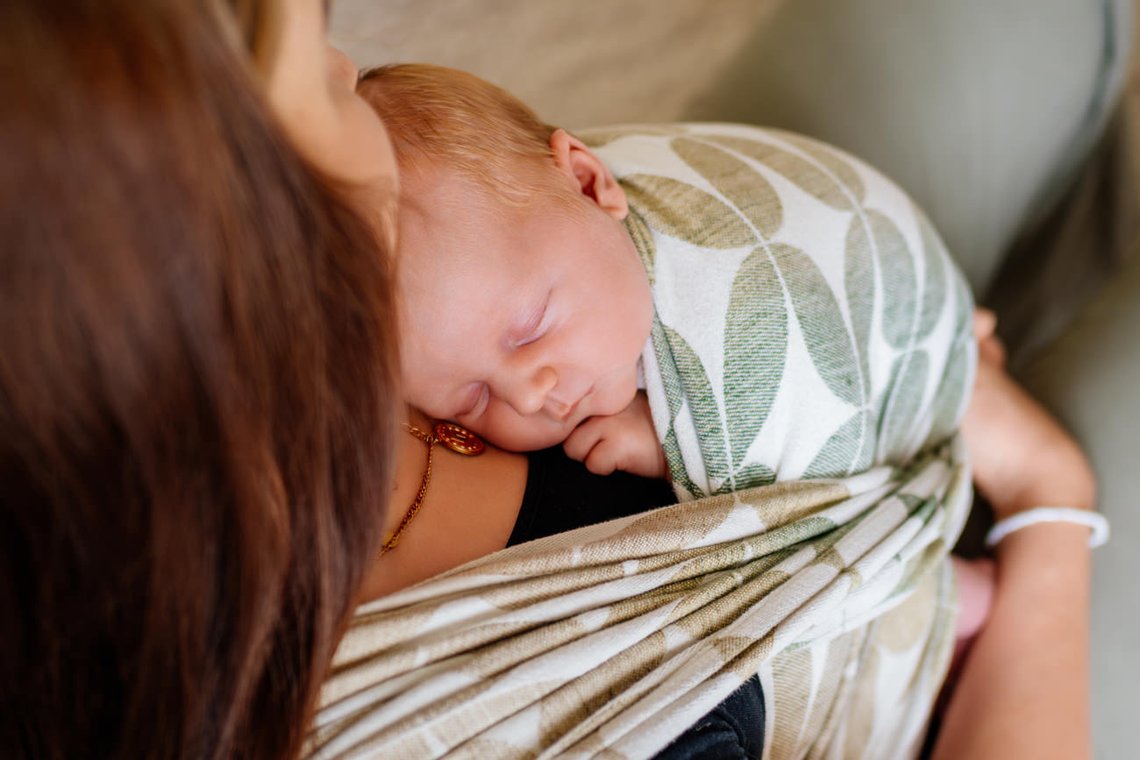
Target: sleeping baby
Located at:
point(720, 304)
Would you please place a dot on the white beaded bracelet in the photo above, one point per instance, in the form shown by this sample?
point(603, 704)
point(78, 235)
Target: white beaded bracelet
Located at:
point(1097, 522)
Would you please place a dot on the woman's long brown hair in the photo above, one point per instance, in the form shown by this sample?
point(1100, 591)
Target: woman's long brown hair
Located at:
point(197, 369)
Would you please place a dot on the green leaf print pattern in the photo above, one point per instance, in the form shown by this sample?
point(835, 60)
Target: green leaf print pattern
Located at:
point(866, 340)
point(757, 473)
point(900, 286)
point(828, 340)
point(674, 392)
point(739, 183)
point(642, 238)
point(682, 211)
point(858, 279)
point(812, 180)
point(755, 345)
point(757, 296)
point(702, 406)
point(677, 470)
point(845, 451)
point(829, 161)
point(934, 289)
point(903, 399)
point(954, 387)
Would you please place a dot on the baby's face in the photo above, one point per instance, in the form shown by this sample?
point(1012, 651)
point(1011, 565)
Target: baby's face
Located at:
point(518, 323)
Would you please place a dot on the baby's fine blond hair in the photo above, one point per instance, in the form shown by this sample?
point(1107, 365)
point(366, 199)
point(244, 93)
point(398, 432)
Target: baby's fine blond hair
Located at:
point(437, 116)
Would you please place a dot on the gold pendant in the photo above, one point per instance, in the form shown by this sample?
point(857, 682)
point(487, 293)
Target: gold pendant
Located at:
point(458, 439)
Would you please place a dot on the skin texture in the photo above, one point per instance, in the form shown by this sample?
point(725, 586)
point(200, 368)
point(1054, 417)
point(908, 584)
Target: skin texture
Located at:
point(311, 89)
point(625, 441)
point(521, 322)
point(470, 510)
point(1023, 692)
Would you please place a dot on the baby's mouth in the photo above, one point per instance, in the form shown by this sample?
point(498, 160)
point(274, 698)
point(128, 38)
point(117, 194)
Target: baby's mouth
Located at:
point(564, 412)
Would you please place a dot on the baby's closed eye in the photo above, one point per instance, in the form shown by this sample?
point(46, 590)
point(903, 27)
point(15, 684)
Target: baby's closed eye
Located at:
point(532, 328)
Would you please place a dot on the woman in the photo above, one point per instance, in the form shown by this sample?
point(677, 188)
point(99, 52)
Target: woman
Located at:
point(193, 459)
point(196, 379)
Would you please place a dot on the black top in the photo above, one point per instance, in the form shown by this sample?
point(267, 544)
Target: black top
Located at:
point(561, 494)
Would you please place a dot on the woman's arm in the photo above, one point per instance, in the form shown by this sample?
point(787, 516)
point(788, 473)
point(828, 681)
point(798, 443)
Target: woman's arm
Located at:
point(1023, 692)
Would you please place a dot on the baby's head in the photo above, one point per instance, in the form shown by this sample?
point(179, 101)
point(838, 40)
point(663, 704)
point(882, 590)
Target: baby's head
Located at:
point(524, 306)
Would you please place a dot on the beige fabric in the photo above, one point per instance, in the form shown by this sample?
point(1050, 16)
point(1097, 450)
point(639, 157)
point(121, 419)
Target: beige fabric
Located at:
point(613, 639)
point(610, 640)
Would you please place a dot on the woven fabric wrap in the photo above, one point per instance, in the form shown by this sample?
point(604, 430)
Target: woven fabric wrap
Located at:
point(809, 320)
point(810, 331)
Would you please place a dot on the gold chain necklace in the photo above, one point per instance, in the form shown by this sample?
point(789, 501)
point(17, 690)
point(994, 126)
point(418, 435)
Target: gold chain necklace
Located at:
point(458, 439)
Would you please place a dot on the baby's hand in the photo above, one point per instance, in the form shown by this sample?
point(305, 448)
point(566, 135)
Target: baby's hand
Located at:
point(624, 441)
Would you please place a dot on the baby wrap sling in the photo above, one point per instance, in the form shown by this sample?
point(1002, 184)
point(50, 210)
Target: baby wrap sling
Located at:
point(809, 361)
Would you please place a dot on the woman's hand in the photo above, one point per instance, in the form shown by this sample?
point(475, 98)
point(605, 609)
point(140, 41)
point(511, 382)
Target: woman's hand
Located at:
point(1023, 692)
point(1022, 457)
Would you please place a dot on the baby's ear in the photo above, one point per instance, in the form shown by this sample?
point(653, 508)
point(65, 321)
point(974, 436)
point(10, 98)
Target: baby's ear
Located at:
point(588, 174)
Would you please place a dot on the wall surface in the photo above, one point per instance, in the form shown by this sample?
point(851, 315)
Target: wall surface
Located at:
point(563, 58)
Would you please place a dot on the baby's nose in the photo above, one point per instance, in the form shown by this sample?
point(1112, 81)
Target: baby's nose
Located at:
point(529, 395)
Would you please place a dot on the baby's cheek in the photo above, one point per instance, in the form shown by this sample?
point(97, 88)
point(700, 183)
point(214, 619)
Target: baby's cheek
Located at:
point(502, 426)
point(482, 425)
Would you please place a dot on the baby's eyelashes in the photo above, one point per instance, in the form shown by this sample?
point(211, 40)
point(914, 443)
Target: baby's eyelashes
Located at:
point(532, 329)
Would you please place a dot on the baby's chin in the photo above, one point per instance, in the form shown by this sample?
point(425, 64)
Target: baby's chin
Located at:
point(535, 434)
point(533, 437)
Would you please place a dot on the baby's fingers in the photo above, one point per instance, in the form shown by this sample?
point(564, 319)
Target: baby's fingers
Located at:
point(584, 437)
point(604, 458)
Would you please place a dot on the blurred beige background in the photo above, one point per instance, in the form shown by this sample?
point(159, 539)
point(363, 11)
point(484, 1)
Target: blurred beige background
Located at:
point(570, 61)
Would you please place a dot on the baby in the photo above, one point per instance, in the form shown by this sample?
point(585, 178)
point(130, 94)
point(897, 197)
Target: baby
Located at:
point(526, 308)
point(657, 310)
point(527, 301)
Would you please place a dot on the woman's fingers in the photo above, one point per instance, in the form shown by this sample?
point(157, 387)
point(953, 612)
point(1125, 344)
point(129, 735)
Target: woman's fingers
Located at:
point(990, 347)
point(985, 322)
point(1022, 457)
point(992, 351)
